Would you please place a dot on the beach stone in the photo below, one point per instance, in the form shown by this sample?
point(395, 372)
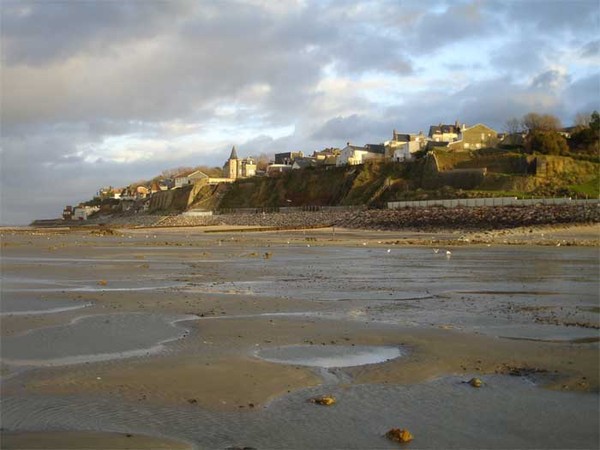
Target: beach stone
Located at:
point(325, 400)
point(476, 382)
point(399, 435)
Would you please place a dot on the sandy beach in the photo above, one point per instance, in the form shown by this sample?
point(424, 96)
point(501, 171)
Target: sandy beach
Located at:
point(172, 335)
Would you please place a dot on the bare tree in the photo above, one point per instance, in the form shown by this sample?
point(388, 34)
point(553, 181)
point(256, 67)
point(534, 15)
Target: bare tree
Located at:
point(262, 161)
point(513, 126)
point(171, 173)
point(582, 120)
point(541, 122)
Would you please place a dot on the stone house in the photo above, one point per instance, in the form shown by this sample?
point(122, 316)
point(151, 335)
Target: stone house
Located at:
point(196, 176)
point(304, 163)
point(475, 137)
point(275, 170)
point(287, 158)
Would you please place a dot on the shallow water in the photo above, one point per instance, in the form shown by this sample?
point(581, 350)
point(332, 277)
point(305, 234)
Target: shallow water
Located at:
point(33, 306)
point(92, 338)
point(486, 290)
point(508, 412)
point(329, 356)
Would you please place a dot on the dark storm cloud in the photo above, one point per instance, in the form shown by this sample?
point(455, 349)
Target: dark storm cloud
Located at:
point(41, 32)
point(216, 57)
point(355, 128)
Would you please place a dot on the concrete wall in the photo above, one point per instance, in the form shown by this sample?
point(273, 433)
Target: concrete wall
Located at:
point(494, 201)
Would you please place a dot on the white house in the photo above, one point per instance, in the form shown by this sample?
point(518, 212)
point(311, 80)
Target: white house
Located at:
point(83, 212)
point(181, 180)
point(403, 145)
point(274, 170)
point(352, 155)
point(446, 133)
point(405, 150)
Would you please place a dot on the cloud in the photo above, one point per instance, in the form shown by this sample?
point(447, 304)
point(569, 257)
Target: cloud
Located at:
point(355, 128)
point(42, 32)
point(583, 94)
point(591, 49)
point(555, 16)
point(105, 92)
point(454, 23)
point(550, 79)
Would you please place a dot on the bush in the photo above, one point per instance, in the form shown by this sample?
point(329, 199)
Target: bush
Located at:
point(546, 143)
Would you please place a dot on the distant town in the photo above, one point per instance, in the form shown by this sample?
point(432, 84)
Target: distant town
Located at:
point(534, 133)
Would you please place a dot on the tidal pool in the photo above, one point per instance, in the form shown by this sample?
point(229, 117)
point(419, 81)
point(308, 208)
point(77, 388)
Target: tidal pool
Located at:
point(329, 356)
point(31, 306)
point(92, 338)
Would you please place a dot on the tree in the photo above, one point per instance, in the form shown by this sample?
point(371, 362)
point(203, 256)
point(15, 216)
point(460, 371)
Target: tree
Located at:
point(582, 120)
point(513, 128)
point(262, 161)
point(541, 122)
point(547, 143)
point(595, 122)
point(171, 173)
point(587, 139)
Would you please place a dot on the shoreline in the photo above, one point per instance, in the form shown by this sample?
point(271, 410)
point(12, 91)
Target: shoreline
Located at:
point(574, 234)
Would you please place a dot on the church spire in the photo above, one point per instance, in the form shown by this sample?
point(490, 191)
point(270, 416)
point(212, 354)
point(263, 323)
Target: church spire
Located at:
point(233, 153)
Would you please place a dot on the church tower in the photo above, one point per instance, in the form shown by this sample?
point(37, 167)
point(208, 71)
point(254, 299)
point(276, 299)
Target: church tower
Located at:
point(231, 166)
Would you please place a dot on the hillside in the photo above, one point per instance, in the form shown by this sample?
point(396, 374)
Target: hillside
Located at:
point(440, 174)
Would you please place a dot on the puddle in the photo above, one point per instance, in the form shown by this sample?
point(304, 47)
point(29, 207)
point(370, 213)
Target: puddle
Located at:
point(92, 338)
point(20, 307)
point(329, 356)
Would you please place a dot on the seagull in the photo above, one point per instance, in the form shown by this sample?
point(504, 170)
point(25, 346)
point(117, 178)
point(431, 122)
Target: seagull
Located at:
point(448, 252)
point(436, 250)
point(389, 250)
point(308, 245)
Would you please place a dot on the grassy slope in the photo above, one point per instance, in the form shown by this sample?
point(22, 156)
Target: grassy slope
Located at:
point(375, 183)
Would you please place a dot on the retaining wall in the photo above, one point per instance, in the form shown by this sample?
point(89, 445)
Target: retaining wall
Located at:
point(492, 201)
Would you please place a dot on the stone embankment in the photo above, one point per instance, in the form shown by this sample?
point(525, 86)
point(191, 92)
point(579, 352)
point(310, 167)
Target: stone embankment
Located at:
point(482, 218)
point(276, 220)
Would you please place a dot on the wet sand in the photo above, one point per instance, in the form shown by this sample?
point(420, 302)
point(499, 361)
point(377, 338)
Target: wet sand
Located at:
point(454, 316)
point(77, 440)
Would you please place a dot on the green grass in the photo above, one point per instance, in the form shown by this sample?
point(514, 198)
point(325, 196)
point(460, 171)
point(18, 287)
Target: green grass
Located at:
point(590, 189)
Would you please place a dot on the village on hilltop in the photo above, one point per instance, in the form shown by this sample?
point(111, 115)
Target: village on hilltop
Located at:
point(402, 147)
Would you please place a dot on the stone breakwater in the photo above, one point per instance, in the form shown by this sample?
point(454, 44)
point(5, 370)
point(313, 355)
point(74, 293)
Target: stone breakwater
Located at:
point(481, 218)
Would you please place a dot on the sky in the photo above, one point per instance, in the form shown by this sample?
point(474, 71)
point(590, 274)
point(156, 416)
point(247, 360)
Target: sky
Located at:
point(108, 92)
